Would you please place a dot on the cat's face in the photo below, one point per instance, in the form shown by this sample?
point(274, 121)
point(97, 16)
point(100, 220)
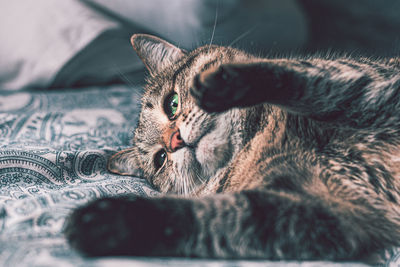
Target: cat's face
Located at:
point(177, 146)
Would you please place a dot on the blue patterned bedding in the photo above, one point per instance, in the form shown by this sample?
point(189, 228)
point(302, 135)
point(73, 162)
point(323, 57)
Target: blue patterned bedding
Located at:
point(54, 148)
point(53, 153)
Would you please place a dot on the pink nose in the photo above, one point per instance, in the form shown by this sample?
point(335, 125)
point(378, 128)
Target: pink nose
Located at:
point(176, 141)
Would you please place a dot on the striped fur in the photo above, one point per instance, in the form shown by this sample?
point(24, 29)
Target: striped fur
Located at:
point(285, 158)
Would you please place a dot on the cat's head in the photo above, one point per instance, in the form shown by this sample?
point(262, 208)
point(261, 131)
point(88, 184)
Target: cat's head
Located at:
point(177, 146)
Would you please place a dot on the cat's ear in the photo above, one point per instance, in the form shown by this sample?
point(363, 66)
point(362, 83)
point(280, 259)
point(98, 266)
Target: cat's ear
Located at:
point(155, 52)
point(124, 163)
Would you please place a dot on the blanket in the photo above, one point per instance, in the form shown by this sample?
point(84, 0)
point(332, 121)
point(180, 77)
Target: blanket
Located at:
point(54, 149)
point(53, 153)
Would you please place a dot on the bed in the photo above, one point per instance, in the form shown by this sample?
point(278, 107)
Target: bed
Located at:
point(54, 149)
point(62, 114)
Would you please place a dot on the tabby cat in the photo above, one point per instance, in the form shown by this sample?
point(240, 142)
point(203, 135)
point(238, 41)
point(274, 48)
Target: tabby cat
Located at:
point(275, 158)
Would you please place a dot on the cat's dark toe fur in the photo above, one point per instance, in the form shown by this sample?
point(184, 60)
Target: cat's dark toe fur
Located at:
point(218, 89)
point(132, 226)
point(99, 228)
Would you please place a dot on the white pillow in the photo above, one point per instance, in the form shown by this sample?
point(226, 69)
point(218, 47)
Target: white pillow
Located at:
point(39, 37)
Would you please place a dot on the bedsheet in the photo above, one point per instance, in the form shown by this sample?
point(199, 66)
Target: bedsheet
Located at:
point(54, 147)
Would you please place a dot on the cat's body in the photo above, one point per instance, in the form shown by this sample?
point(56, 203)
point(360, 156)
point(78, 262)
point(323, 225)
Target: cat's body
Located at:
point(305, 159)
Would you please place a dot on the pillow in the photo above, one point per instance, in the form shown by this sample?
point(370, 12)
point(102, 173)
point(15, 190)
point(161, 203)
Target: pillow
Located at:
point(191, 23)
point(109, 58)
point(39, 37)
point(265, 24)
point(49, 43)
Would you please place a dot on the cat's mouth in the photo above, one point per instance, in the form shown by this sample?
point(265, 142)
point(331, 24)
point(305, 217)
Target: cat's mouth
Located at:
point(194, 143)
point(212, 150)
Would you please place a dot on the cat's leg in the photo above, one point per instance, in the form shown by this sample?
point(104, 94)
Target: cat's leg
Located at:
point(250, 224)
point(347, 92)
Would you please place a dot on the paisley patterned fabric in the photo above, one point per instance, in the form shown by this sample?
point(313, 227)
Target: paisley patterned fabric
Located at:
point(53, 153)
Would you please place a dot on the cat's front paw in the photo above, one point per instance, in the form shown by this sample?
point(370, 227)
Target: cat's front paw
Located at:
point(132, 226)
point(115, 226)
point(99, 228)
point(220, 88)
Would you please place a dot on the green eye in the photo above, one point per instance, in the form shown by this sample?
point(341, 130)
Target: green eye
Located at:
point(160, 158)
point(171, 105)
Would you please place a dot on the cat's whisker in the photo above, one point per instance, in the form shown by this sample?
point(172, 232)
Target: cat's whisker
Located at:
point(193, 182)
point(175, 182)
point(187, 185)
point(124, 77)
point(214, 27)
point(190, 185)
point(200, 177)
point(182, 184)
point(178, 184)
point(183, 190)
point(240, 37)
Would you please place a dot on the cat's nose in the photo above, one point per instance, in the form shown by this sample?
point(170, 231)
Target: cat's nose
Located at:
point(176, 141)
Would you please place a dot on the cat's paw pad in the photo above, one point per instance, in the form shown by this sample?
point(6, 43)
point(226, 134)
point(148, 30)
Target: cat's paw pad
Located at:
point(99, 228)
point(218, 89)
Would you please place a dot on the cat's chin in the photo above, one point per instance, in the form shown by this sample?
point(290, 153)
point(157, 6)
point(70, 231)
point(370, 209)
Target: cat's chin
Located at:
point(213, 154)
point(215, 148)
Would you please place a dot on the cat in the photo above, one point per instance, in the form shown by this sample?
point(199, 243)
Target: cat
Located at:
point(292, 158)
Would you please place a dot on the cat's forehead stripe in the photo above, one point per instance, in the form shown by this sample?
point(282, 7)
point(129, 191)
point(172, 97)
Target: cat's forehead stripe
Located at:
point(188, 64)
point(209, 64)
point(193, 62)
